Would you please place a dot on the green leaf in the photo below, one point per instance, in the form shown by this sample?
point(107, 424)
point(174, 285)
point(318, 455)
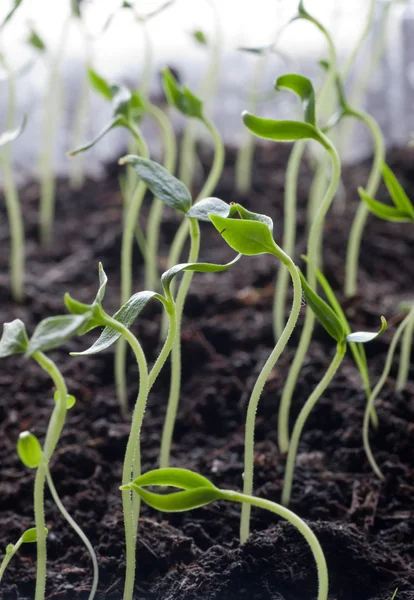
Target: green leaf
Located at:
point(103, 280)
point(382, 211)
point(125, 315)
point(121, 98)
point(115, 122)
point(36, 41)
point(250, 216)
point(11, 12)
point(54, 331)
point(70, 400)
point(30, 535)
point(9, 548)
point(9, 136)
point(302, 87)
point(75, 8)
point(201, 209)
point(181, 98)
point(362, 337)
point(247, 237)
point(200, 37)
point(14, 339)
point(323, 312)
point(160, 182)
point(29, 450)
point(99, 84)
point(399, 197)
point(174, 477)
point(281, 131)
point(255, 49)
point(169, 275)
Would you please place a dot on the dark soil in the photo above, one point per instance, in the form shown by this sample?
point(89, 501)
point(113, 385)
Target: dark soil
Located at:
point(365, 526)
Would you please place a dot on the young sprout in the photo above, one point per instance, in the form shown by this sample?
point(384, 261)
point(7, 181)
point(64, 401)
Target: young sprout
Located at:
point(28, 537)
point(196, 491)
point(403, 209)
point(333, 324)
point(288, 131)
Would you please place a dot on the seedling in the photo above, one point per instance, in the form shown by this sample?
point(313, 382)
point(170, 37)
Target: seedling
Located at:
point(196, 491)
point(403, 209)
point(292, 131)
point(28, 537)
point(333, 324)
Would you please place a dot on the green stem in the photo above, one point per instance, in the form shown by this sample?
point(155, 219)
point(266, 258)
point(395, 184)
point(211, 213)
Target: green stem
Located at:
point(157, 207)
point(315, 235)
point(50, 124)
point(405, 356)
point(132, 460)
point(11, 196)
point(168, 344)
point(79, 531)
point(300, 525)
point(174, 396)
point(8, 556)
point(289, 235)
point(54, 430)
point(377, 389)
point(358, 225)
point(257, 391)
point(302, 418)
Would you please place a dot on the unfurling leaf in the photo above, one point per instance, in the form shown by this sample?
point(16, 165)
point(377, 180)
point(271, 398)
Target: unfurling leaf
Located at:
point(29, 450)
point(181, 97)
point(403, 209)
point(245, 236)
point(302, 87)
point(14, 339)
point(362, 337)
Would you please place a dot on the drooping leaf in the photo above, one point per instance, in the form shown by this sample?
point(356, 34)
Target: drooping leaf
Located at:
point(247, 237)
point(181, 97)
point(160, 182)
point(14, 339)
point(323, 312)
point(201, 209)
point(9, 136)
point(115, 122)
point(29, 450)
point(362, 337)
point(281, 131)
point(54, 331)
point(70, 400)
point(302, 87)
point(99, 84)
point(399, 197)
point(30, 535)
point(383, 211)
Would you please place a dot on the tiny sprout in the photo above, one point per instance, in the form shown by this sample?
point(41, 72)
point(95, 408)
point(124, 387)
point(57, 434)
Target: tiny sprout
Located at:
point(28, 537)
point(70, 400)
point(29, 450)
point(196, 491)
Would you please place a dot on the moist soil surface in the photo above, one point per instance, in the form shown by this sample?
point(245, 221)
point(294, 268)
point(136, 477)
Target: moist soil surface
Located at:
point(365, 525)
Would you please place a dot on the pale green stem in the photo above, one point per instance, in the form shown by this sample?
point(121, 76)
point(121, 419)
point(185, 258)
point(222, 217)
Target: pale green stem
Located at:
point(8, 556)
point(300, 525)
point(358, 225)
point(303, 417)
point(315, 236)
point(50, 124)
point(377, 389)
point(318, 187)
point(289, 235)
point(79, 531)
point(54, 430)
point(257, 391)
point(405, 356)
point(168, 344)
point(11, 197)
point(175, 385)
point(157, 207)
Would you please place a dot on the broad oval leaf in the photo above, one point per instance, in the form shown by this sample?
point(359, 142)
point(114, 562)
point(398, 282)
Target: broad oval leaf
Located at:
point(302, 87)
point(382, 211)
point(281, 131)
point(14, 339)
point(160, 182)
point(29, 450)
point(362, 337)
point(201, 209)
point(9, 136)
point(178, 501)
point(174, 477)
point(399, 197)
point(125, 315)
point(99, 84)
point(117, 121)
point(30, 535)
point(247, 237)
point(323, 312)
point(53, 331)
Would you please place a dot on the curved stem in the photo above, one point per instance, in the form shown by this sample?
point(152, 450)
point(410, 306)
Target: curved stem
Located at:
point(357, 228)
point(174, 396)
point(377, 389)
point(132, 460)
point(300, 525)
point(289, 235)
point(302, 418)
point(8, 556)
point(54, 430)
point(157, 206)
point(168, 344)
point(79, 531)
point(405, 355)
point(257, 391)
point(315, 237)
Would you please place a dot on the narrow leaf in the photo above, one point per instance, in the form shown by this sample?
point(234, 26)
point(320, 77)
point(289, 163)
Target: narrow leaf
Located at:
point(399, 197)
point(174, 477)
point(9, 136)
point(29, 450)
point(36, 41)
point(178, 501)
point(99, 84)
point(201, 209)
point(281, 131)
point(323, 312)
point(200, 37)
point(181, 98)
point(302, 87)
point(14, 339)
point(383, 211)
point(103, 280)
point(160, 182)
point(247, 237)
point(11, 12)
point(54, 331)
point(115, 122)
point(363, 337)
